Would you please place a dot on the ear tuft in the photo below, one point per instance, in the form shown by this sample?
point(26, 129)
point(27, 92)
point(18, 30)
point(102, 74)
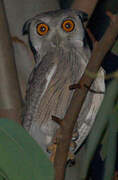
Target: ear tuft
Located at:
point(26, 26)
point(82, 15)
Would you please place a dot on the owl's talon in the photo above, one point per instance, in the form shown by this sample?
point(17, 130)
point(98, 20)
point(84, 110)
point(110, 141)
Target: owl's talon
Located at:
point(73, 145)
point(52, 157)
point(71, 159)
point(48, 151)
point(75, 136)
point(49, 148)
point(52, 149)
point(71, 163)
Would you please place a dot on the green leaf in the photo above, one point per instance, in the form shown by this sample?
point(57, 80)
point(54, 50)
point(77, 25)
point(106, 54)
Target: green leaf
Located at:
point(104, 143)
point(106, 137)
point(100, 124)
point(3, 176)
point(21, 158)
point(111, 147)
point(115, 48)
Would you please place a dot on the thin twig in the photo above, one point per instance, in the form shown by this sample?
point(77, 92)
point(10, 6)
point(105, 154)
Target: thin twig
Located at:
point(99, 51)
point(57, 120)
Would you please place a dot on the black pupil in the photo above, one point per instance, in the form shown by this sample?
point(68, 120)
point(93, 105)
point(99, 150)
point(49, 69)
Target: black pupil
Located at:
point(42, 29)
point(68, 25)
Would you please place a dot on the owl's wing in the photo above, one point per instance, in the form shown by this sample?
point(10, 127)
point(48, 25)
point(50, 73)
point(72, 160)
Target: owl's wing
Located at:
point(35, 87)
point(89, 110)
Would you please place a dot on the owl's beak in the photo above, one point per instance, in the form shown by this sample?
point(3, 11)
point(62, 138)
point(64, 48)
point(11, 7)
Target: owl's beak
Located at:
point(56, 40)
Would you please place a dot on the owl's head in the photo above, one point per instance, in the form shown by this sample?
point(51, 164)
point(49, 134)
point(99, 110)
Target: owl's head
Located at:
point(60, 28)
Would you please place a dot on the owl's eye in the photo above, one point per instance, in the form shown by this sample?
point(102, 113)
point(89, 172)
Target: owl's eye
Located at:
point(68, 25)
point(42, 29)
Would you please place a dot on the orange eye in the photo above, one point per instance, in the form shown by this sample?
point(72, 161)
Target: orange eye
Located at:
point(68, 25)
point(42, 29)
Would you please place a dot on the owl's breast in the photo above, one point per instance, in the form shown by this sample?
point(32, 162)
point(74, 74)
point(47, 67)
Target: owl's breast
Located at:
point(67, 68)
point(55, 98)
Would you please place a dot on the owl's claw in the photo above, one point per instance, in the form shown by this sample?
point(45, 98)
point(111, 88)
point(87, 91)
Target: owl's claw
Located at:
point(75, 135)
point(71, 159)
point(73, 145)
point(71, 163)
point(52, 149)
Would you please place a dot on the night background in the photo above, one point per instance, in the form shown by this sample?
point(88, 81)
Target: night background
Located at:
point(13, 82)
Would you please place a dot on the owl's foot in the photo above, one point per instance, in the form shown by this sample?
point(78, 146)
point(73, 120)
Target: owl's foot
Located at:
point(71, 159)
point(71, 155)
point(72, 146)
point(75, 135)
point(52, 149)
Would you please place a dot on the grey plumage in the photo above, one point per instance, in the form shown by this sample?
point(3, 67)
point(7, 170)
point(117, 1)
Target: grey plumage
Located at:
point(61, 58)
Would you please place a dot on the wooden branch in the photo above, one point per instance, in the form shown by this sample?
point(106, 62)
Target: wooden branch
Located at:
point(10, 94)
point(91, 36)
point(16, 39)
point(99, 51)
point(116, 176)
point(86, 6)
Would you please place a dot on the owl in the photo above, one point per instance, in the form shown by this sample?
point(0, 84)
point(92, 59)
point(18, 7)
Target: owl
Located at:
point(61, 52)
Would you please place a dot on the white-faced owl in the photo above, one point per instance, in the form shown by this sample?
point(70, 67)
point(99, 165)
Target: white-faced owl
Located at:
point(61, 51)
